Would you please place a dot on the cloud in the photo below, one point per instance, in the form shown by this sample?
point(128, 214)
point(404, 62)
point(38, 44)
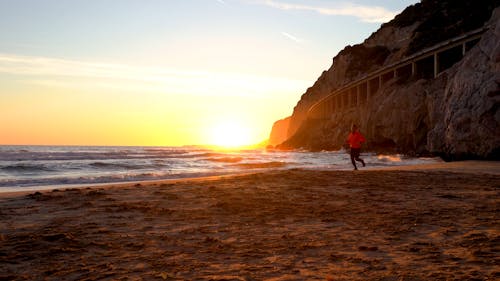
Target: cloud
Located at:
point(291, 37)
point(372, 14)
point(47, 66)
point(56, 72)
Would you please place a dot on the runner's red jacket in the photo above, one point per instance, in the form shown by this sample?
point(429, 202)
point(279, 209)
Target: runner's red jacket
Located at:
point(355, 140)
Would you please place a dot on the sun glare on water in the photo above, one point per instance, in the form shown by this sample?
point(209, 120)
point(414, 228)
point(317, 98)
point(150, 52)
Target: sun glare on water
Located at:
point(230, 134)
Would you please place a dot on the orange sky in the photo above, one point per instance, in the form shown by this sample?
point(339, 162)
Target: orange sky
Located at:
point(188, 72)
point(82, 111)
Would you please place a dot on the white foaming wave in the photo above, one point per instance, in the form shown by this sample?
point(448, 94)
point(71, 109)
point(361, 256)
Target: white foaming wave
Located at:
point(389, 158)
point(53, 182)
point(95, 165)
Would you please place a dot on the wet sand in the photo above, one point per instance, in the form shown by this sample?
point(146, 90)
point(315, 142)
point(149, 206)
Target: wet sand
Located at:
point(404, 223)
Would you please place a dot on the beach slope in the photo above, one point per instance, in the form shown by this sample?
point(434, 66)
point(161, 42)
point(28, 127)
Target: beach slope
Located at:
point(429, 223)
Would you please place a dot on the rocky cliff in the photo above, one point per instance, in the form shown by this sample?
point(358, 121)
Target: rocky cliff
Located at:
point(279, 132)
point(454, 115)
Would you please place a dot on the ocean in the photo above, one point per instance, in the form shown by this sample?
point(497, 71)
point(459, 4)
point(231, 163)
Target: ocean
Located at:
point(47, 167)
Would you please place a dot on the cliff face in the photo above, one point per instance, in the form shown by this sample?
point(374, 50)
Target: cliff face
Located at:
point(279, 131)
point(467, 119)
point(454, 115)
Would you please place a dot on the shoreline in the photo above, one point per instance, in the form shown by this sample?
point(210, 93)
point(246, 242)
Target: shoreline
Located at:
point(466, 166)
point(126, 184)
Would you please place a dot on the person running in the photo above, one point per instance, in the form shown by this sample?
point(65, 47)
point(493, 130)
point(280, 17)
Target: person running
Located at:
point(354, 140)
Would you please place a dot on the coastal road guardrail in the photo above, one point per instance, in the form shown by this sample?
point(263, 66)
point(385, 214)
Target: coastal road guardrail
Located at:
point(427, 64)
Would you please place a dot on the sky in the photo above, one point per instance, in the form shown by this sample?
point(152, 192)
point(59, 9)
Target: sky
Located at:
point(167, 72)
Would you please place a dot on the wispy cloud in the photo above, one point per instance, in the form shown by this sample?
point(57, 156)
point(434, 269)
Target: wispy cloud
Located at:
point(373, 14)
point(56, 72)
point(291, 37)
point(47, 66)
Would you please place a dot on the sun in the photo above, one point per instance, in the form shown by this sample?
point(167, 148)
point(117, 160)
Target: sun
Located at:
point(230, 134)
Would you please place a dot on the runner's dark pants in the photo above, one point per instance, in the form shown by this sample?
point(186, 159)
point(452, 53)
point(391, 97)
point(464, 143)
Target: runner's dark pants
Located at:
point(355, 156)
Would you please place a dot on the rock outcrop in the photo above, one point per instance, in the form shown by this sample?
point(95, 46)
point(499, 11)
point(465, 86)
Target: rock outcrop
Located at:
point(279, 131)
point(466, 112)
point(454, 115)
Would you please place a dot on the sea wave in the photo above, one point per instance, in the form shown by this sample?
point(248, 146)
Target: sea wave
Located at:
point(389, 158)
point(31, 166)
point(112, 166)
point(273, 164)
point(209, 154)
point(225, 159)
point(50, 182)
point(26, 168)
point(94, 153)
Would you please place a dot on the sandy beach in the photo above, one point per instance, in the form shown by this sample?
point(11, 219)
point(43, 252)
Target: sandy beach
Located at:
point(406, 223)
